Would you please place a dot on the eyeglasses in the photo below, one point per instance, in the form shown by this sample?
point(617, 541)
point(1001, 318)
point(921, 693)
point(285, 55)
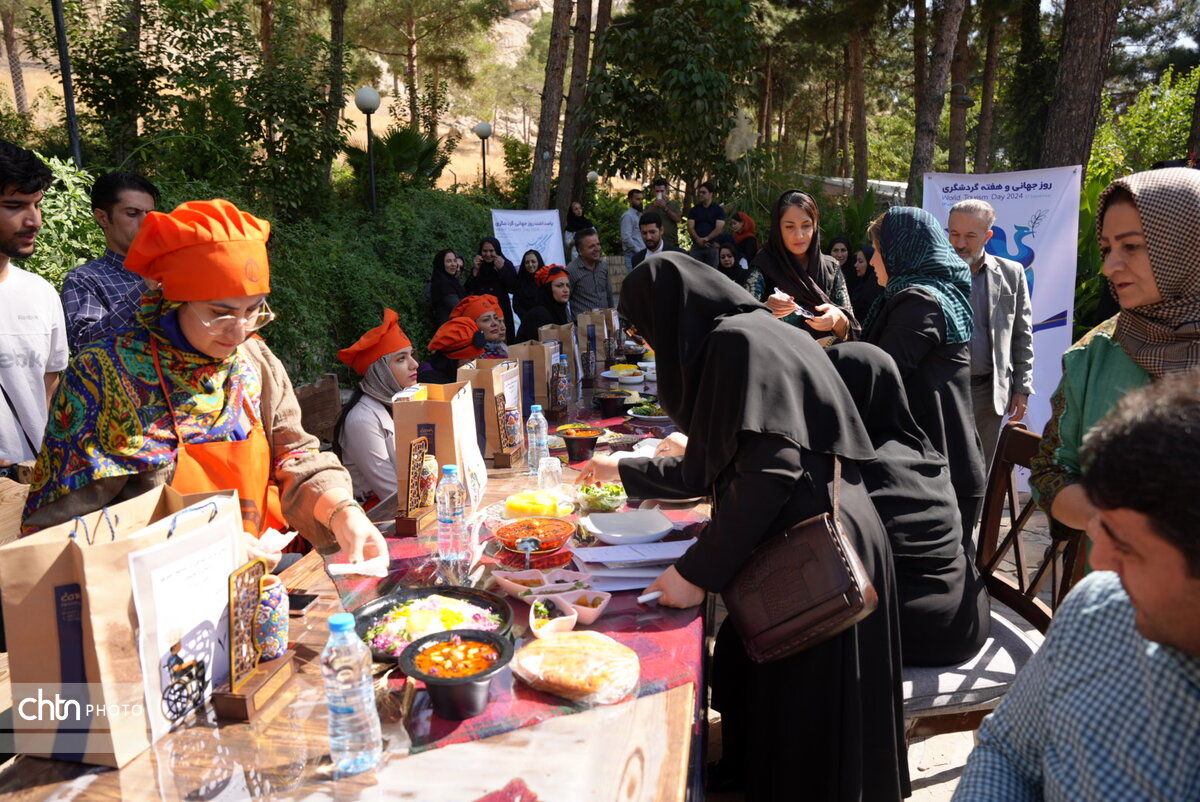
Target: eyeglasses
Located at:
point(251, 322)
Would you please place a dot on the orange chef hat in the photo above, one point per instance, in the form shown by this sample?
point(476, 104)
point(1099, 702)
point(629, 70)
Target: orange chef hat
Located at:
point(203, 250)
point(458, 338)
point(475, 306)
point(548, 274)
point(386, 338)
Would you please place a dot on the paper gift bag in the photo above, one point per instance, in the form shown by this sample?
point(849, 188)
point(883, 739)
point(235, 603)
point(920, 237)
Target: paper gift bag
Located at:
point(77, 684)
point(534, 360)
point(564, 334)
point(593, 327)
point(496, 397)
point(447, 419)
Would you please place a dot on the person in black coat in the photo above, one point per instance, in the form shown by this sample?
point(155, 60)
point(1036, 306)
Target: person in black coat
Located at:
point(554, 302)
point(445, 286)
point(923, 320)
point(525, 291)
point(492, 274)
point(766, 415)
point(866, 287)
point(650, 226)
point(944, 603)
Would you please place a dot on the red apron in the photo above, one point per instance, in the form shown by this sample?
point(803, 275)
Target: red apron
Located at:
point(241, 465)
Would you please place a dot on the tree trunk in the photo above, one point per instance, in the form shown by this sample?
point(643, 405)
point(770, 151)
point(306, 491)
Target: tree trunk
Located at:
point(266, 26)
point(410, 73)
point(552, 90)
point(1088, 30)
point(838, 102)
point(124, 123)
point(583, 150)
point(920, 52)
point(1030, 88)
point(764, 97)
point(8, 20)
point(804, 152)
point(858, 109)
point(847, 111)
point(568, 163)
point(337, 78)
point(768, 79)
point(929, 110)
point(960, 72)
point(987, 97)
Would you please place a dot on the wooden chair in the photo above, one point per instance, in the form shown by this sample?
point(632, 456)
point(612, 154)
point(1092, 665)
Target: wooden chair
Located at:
point(956, 698)
point(320, 406)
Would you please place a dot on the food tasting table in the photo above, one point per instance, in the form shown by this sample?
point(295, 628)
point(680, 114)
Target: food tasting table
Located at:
point(645, 748)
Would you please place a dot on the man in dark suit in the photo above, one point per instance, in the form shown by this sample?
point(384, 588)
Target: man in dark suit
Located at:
point(650, 225)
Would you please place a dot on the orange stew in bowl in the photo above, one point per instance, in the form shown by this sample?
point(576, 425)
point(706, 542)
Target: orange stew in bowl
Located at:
point(456, 658)
point(580, 433)
point(550, 532)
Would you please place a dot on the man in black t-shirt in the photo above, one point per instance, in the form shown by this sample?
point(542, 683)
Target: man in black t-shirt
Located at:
point(705, 223)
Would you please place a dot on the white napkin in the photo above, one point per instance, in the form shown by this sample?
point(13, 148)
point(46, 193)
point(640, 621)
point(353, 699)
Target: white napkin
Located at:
point(376, 566)
point(274, 540)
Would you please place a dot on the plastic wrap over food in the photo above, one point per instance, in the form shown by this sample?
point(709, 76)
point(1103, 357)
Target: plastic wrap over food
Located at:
point(586, 667)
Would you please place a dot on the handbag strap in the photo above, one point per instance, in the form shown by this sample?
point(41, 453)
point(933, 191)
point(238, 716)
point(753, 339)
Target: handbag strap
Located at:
point(837, 488)
point(20, 424)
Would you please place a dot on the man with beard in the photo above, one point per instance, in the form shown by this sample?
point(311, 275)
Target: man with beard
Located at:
point(1109, 706)
point(631, 242)
point(1002, 335)
point(33, 337)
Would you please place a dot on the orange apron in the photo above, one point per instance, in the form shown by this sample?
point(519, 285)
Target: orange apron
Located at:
point(241, 465)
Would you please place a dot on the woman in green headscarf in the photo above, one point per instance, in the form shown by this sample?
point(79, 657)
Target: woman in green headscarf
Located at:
point(923, 319)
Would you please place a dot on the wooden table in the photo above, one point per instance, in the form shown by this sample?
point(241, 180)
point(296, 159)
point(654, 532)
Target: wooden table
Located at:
point(637, 750)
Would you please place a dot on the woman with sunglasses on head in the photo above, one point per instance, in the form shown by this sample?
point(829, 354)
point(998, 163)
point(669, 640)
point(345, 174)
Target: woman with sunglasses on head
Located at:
point(189, 397)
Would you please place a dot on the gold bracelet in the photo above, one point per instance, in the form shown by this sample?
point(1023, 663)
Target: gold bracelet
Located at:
point(341, 505)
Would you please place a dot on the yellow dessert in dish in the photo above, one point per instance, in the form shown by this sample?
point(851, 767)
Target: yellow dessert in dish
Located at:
point(533, 503)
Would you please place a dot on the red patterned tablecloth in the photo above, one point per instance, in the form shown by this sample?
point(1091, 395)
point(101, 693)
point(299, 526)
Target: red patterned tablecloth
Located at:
point(668, 642)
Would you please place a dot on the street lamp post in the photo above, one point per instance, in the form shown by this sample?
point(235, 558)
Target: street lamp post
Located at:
point(483, 131)
point(64, 65)
point(367, 100)
point(593, 176)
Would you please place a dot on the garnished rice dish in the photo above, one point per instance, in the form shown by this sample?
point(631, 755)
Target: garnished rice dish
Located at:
point(407, 622)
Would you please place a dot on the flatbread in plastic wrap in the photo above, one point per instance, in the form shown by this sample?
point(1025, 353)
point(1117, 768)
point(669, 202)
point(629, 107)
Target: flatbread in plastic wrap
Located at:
point(586, 667)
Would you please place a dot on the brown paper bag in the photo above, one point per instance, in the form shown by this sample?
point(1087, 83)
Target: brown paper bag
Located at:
point(447, 419)
point(564, 334)
point(593, 327)
point(72, 631)
point(496, 397)
point(535, 360)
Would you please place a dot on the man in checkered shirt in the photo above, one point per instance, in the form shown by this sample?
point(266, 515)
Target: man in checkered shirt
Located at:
point(102, 297)
point(1109, 707)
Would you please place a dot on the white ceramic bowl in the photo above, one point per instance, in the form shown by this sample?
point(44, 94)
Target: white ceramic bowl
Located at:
point(630, 528)
point(564, 623)
point(637, 377)
point(587, 615)
point(649, 367)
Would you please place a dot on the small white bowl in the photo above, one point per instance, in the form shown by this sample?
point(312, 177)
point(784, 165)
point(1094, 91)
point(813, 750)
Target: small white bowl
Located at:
point(630, 528)
point(587, 615)
point(505, 580)
point(648, 367)
point(637, 377)
point(564, 623)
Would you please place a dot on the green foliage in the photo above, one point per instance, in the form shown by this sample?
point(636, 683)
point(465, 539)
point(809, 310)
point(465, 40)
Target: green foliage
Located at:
point(332, 275)
point(404, 157)
point(676, 109)
point(518, 164)
point(69, 234)
point(1152, 128)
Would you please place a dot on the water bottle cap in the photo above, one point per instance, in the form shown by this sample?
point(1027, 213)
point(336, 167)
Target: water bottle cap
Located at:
point(449, 470)
point(536, 408)
point(341, 622)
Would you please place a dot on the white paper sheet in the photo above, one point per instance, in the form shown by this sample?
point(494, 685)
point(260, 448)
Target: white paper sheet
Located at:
point(644, 553)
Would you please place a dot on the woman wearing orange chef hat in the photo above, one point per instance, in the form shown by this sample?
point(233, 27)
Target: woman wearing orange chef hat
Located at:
point(188, 397)
point(486, 312)
point(365, 436)
point(458, 340)
point(553, 303)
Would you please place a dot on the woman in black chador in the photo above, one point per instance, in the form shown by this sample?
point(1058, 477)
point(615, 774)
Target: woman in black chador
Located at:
point(765, 411)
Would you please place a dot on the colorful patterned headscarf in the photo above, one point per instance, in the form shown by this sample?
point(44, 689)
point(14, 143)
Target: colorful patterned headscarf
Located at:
point(110, 417)
point(1164, 337)
point(916, 253)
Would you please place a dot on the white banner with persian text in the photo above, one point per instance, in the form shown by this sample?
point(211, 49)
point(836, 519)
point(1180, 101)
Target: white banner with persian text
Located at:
point(1037, 225)
point(521, 231)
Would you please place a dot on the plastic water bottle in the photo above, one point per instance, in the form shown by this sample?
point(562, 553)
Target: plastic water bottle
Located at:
point(452, 540)
point(535, 438)
point(355, 742)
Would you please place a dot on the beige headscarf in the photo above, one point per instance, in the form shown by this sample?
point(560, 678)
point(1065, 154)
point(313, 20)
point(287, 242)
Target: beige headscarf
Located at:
point(1164, 337)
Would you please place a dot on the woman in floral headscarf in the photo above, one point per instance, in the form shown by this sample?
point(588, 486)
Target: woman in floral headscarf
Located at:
point(1149, 230)
point(923, 319)
point(192, 399)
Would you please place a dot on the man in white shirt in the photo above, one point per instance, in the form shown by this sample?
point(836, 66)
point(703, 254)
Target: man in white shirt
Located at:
point(631, 240)
point(33, 337)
